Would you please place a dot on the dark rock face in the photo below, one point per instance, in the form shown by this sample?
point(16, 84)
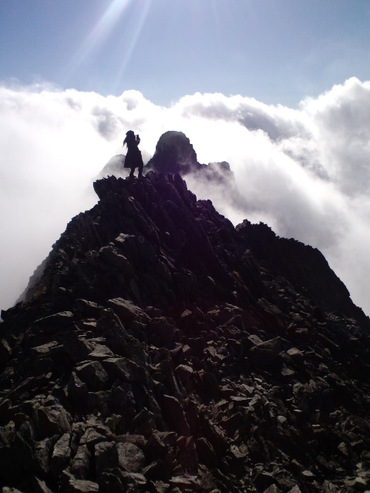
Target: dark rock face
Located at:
point(160, 349)
point(174, 154)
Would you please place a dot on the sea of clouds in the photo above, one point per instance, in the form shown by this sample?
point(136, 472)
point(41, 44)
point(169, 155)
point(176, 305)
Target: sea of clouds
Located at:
point(304, 171)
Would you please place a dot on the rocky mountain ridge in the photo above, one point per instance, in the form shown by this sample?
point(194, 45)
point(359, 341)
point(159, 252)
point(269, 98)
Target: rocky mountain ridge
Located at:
point(161, 349)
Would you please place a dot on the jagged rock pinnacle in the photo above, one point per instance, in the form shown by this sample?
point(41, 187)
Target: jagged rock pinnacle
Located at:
point(174, 154)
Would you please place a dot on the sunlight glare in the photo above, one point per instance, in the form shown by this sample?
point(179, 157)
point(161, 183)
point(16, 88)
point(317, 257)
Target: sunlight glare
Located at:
point(137, 28)
point(98, 34)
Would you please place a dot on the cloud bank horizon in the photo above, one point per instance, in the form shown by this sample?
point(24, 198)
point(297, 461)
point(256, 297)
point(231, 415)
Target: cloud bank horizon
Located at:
point(304, 171)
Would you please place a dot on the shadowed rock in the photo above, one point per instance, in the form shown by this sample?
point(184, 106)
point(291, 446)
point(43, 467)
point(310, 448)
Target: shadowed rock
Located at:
point(160, 349)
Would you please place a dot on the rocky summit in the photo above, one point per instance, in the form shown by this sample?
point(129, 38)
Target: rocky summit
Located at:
point(159, 348)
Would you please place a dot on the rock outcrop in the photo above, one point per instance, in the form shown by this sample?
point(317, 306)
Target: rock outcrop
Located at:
point(160, 349)
point(174, 153)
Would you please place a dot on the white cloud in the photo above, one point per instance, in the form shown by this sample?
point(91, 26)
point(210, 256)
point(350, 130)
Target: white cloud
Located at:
point(306, 171)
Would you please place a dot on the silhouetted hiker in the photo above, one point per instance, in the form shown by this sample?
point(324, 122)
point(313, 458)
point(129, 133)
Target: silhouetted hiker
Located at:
point(133, 157)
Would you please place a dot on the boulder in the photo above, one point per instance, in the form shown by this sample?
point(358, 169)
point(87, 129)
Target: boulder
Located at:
point(130, 457)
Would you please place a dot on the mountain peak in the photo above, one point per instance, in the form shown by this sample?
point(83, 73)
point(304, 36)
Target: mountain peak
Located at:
point(159, 348)
point(174, 154)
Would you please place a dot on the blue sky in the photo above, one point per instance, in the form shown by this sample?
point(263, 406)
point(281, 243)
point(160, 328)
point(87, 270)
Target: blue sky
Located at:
point(277, 51)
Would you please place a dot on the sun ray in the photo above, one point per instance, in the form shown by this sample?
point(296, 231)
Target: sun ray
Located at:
point(97, 35)
point(138, 26)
